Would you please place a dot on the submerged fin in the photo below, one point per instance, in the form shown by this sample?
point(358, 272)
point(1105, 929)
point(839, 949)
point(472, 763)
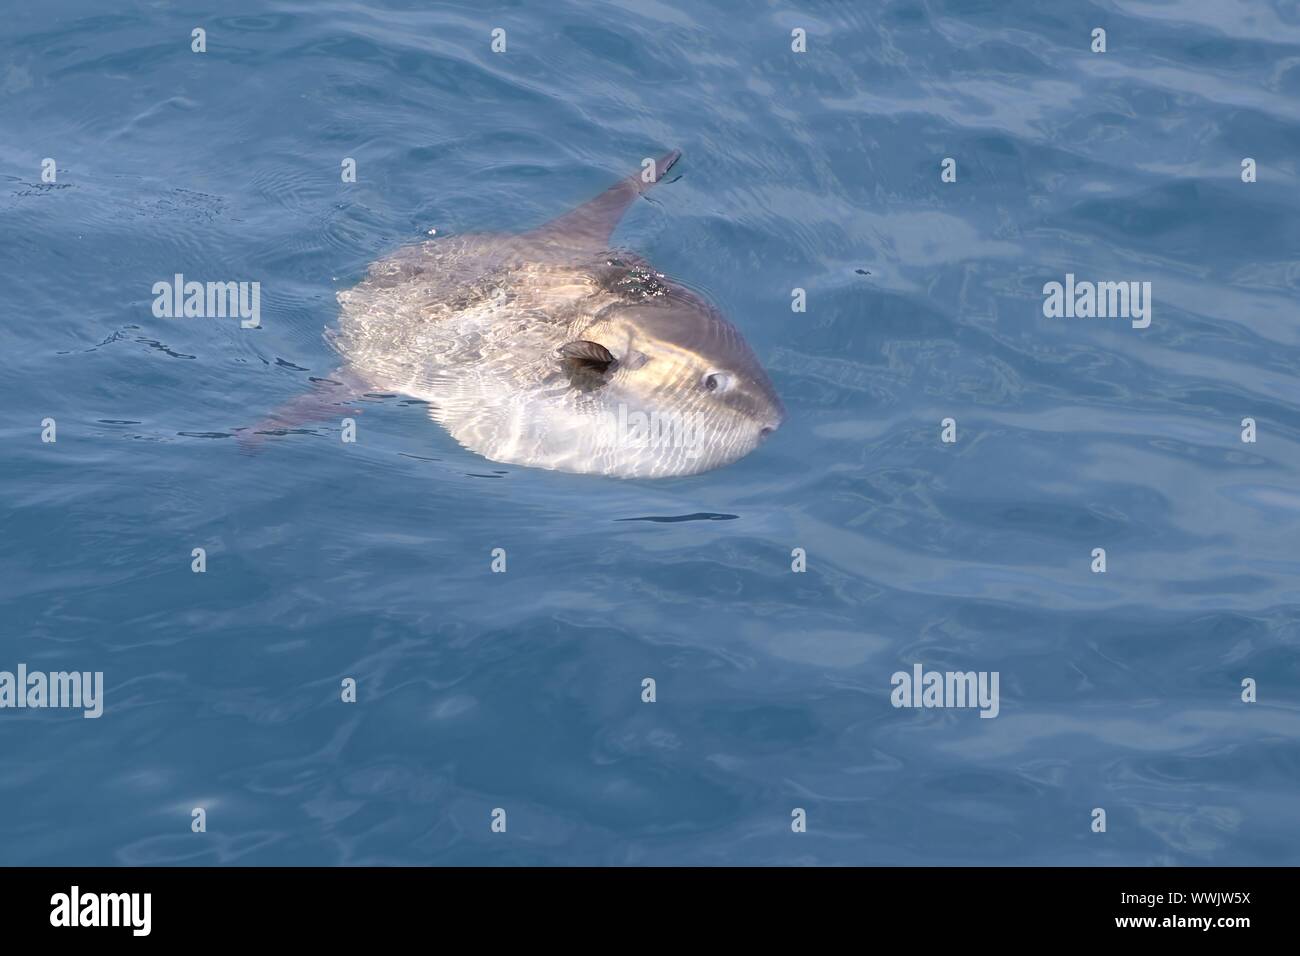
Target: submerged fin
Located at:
point(590, 225)
point(327, 400)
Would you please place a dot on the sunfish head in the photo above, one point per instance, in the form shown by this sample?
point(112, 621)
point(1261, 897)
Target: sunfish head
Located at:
point(673, 387)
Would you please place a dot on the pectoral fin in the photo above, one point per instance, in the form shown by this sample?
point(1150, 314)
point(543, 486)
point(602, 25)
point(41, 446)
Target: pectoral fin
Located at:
point(593, 355)
point(587, 364)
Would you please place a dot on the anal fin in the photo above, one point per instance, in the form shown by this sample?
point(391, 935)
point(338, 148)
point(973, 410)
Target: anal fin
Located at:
point(329, 399)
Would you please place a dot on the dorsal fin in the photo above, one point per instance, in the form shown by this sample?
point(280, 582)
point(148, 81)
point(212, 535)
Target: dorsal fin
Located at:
point(590, 225)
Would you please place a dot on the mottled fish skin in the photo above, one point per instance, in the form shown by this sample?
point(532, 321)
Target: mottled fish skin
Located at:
point(542, 349)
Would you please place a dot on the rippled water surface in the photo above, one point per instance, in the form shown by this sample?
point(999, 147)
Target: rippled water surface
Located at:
point(522, 690)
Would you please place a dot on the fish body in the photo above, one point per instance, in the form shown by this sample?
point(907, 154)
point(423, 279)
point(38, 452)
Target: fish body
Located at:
point(553, 350)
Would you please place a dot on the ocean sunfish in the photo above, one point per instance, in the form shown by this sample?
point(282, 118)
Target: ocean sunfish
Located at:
point(552, 350)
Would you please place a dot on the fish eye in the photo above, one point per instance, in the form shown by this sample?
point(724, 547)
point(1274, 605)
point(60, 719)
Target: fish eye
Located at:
point(716, 382)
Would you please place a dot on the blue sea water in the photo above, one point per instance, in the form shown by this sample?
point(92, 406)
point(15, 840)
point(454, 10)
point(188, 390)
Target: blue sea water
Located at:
point(522, 691)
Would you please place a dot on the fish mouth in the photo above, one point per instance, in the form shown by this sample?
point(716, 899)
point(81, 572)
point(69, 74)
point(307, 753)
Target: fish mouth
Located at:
point(767, 430)
point(774, 420)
